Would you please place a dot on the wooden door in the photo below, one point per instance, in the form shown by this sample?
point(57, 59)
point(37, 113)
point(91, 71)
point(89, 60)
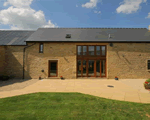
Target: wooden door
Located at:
point(53, 68)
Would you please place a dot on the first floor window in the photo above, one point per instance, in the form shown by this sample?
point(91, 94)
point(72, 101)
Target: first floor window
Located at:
point(41, 48)
point(103, 50)
point(79, 50)
point(91, 50)
point(148, 64)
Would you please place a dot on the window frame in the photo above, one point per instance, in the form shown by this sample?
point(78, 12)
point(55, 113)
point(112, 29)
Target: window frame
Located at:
point(81, 50)
point(147, 64)
point(95, 55)
point(92, 51)
point(96, 50)
point(40, 47)
point(101, 50)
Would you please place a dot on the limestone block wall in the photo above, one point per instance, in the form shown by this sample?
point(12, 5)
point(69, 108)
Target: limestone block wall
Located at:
point(2, 60)
point(14, 61)
point(124, 60)
point(65, 53)
point(128, 60)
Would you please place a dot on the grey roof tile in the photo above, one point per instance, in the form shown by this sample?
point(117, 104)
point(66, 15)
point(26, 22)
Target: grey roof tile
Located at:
point(14, 37)
point(91, 34)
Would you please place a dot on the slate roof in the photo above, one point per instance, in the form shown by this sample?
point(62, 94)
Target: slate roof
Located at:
point(91, 34)
point(14, 37)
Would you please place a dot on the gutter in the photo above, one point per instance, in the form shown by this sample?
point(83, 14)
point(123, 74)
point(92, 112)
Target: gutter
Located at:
point(24, 57)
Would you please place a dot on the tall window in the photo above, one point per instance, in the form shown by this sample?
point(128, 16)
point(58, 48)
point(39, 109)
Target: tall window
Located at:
point(84, 50)
point(41, 48)
point(103, 50)
point(91, 50)
point(79, 50)
point(97, 50)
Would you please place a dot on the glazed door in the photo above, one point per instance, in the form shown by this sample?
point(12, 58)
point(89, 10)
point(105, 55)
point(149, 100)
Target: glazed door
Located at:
point(53, 67)
point(100, 68)
point(91, 68)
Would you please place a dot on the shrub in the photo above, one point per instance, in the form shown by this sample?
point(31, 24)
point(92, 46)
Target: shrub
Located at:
point(148, 80)
point(4, 77)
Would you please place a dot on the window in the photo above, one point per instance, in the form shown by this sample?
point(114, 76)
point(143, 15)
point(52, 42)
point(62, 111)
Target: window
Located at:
point(103, 50)
point(79, 50)
point(41, 48)
point(84, 50)
point(97, 50)
point(91, 50)
point(148, 64)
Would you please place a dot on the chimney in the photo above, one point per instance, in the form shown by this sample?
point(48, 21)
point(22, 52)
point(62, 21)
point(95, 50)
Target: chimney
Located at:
point(149, 27)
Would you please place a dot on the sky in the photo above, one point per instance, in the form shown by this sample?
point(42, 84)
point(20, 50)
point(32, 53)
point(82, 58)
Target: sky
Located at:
point(34, 14)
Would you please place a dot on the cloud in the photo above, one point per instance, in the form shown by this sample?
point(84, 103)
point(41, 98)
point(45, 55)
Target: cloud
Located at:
point(18, 3)
point(130, 6)
point(98, 12)
point(20, 16)
point(148, 15)
point(76, 5)
point(90, 4)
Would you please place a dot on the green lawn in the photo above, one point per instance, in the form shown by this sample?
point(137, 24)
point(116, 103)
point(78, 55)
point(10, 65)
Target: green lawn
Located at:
point(70, 106)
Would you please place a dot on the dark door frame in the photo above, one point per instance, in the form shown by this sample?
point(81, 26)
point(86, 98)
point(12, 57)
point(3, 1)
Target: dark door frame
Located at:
point(49, 61)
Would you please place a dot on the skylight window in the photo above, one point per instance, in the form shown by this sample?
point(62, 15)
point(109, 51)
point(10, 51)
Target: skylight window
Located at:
point(68, 35)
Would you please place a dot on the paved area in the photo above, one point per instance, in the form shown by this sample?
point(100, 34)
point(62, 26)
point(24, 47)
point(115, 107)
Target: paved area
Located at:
point(118, 90)
point(15, 84)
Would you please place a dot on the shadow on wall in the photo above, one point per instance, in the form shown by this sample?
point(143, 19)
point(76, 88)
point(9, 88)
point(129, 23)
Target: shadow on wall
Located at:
point(14, 63)
point(2, 60)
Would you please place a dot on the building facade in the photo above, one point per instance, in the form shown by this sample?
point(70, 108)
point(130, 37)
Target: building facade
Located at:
point(77, 59)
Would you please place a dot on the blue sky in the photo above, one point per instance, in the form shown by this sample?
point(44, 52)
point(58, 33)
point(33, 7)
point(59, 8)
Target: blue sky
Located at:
point(32, 14)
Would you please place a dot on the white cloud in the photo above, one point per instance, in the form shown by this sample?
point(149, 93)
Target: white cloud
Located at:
point(130, 6)
point(18, 3)
point(98, 12)
point(21, 16)
point(148, 15)
point(90, 4)
point(76, 5)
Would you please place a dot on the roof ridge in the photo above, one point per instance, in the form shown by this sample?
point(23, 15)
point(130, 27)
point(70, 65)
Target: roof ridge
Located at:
point(18, 30)
point(91, 28)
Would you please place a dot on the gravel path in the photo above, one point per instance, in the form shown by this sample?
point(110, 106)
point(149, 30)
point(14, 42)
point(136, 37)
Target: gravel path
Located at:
point(14, 84)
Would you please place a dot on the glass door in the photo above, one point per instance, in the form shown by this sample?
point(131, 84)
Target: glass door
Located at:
point(103, 66)
point(79, 68)
point(91, 68)
point(84, 68)
point(98, 68)
point(52, 68)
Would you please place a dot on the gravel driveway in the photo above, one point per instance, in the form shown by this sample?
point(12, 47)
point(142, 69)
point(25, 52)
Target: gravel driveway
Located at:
point(14, 84)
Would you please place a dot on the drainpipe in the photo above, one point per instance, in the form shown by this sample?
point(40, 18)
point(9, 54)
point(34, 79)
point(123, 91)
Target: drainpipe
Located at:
point(24, 57)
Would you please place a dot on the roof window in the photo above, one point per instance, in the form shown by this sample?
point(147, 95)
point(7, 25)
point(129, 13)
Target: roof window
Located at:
point(68, 35)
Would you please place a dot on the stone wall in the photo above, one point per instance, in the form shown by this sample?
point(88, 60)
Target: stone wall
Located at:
point(65, 53)
point(2, 60)
point(128, 60)
point(124, 60)
point(14, 61)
